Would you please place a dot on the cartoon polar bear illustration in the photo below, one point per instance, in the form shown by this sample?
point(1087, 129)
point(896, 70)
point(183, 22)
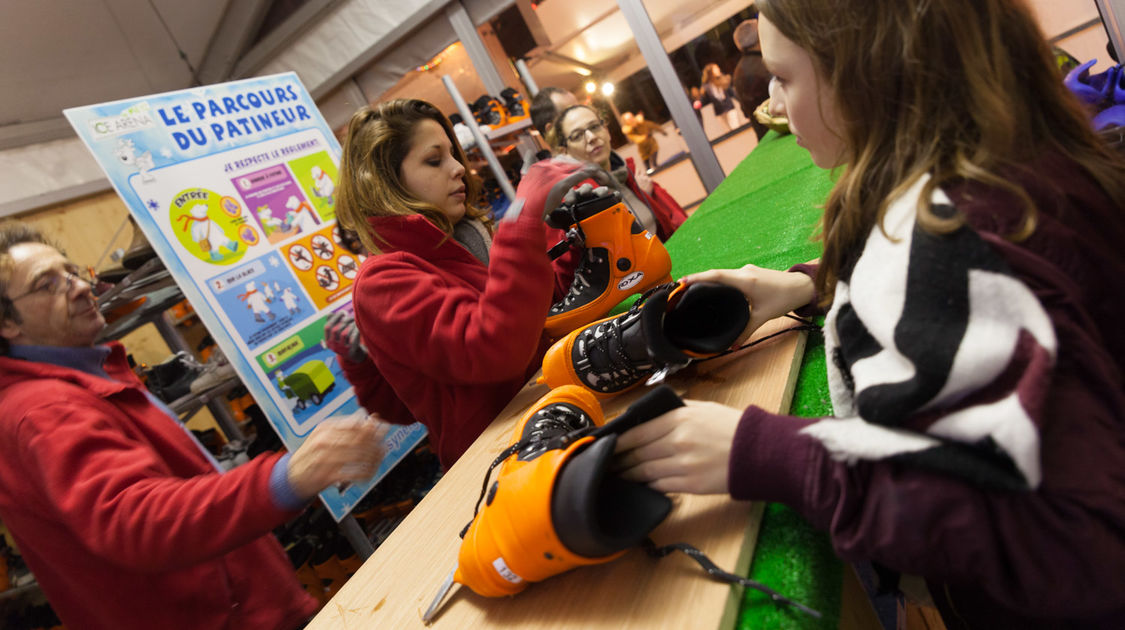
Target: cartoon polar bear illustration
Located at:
point(300, 214)
point(269, 222)
point(323, 185)
point(126, 153)
point(257, 302)
point(209, 236)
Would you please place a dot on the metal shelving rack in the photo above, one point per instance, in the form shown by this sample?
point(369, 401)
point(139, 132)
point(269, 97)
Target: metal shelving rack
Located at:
point(155, 284)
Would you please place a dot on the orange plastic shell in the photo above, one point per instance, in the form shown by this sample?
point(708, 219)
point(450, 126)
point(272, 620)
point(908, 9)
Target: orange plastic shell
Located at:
point(512, 542)
point(611, 229)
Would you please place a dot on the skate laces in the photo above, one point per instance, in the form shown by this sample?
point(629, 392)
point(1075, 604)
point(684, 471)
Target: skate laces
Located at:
point(578, 286)
point(536, 440)
point(549, 422)
point(726, 577)
point(805, 324)
point(607, 337)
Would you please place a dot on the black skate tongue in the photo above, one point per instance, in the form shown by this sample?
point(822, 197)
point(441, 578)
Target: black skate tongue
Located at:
point(656, 342)
point(707, 319)
point(596, 514)
point(567, 215)
point(657, 402)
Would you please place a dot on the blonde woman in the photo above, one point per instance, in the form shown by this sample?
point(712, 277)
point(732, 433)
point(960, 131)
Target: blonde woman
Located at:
point(449, 307)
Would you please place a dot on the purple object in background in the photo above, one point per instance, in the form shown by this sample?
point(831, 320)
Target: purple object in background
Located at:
point(1094, 89)
point(1112, 116)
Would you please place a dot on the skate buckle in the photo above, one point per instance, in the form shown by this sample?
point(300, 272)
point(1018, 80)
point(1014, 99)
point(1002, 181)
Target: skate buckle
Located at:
point(576, 237)
point(658, 377)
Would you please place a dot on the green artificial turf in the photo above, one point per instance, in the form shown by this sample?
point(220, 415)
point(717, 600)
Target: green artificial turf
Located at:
point(765, 213)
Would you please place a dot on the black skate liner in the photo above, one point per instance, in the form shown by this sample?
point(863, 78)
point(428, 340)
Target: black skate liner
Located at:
point(615, 354)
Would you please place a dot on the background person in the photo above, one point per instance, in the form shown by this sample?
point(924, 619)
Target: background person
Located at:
point(715, 89)
point(750, 79)
point(545, 107)
point(973, 272)
point(581, 133)
point(123, 517)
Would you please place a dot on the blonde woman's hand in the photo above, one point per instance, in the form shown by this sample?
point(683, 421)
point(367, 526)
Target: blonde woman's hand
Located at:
point(771, 293)
point(684, 450)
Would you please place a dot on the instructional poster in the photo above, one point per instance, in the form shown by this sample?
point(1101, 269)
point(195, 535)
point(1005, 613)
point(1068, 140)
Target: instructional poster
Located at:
point(234, 185)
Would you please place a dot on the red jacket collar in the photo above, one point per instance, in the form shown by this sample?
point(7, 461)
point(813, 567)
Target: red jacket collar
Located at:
point(410, 232)
point(415, 234)
point(15, 371)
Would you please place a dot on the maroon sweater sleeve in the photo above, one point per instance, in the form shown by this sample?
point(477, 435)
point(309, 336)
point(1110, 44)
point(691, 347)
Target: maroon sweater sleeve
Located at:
point(811, 309)
point(1045, 553)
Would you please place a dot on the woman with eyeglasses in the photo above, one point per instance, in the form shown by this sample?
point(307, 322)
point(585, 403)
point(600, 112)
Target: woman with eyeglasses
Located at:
point(581, 133)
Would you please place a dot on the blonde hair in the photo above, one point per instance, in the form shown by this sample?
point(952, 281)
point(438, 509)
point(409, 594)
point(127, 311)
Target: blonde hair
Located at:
point(963, 90)
point(377, 141)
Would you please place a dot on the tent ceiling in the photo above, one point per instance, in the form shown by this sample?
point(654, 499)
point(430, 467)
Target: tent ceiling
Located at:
point(65, 54)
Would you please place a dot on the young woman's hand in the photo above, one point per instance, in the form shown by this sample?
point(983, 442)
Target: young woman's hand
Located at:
point(684, 450)
point(771, 293)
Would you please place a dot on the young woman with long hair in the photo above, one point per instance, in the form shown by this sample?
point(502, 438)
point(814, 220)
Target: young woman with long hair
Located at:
point(973, 279)
point(449, 307)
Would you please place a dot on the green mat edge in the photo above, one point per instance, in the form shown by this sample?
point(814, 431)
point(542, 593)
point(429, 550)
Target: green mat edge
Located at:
point(790, 556)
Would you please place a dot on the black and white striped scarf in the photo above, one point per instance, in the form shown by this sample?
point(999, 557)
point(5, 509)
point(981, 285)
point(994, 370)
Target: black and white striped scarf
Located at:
point(937, 355)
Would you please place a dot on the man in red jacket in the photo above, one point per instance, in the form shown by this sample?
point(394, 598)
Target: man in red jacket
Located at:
point(124, 519)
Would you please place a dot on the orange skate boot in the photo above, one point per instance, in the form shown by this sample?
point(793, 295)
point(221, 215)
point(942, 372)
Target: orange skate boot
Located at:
point(662, 332)
point(620, 258)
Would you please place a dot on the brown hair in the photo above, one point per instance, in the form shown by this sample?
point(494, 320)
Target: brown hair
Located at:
point(556, 137)
point(12, 234)
point(377, 141)
point(963, 90)
point(711, 72)
point(543, 110)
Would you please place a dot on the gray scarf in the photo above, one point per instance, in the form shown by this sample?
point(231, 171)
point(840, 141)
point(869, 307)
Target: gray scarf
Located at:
point(472, 234)
point(639, 208)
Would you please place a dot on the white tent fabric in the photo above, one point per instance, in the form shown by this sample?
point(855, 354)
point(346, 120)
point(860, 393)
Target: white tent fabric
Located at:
point(378, 40)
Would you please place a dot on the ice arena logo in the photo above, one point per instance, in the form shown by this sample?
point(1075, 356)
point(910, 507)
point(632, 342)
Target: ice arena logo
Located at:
point(135, 118)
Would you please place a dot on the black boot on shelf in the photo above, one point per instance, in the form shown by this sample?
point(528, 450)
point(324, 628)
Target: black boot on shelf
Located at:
point(139, 251)
point(488, 111)
point(515, 105)
point(172, 378)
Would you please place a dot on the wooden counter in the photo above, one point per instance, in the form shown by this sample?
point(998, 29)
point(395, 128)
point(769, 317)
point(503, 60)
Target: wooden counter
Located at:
point(398, 582)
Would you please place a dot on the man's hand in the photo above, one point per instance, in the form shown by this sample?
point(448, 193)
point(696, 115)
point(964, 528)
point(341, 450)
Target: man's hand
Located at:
point(342, 337)
point(338, 450)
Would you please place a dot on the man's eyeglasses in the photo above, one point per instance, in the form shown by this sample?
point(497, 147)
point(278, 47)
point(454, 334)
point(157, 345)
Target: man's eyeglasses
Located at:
point(580, 134)
point(52, 284)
